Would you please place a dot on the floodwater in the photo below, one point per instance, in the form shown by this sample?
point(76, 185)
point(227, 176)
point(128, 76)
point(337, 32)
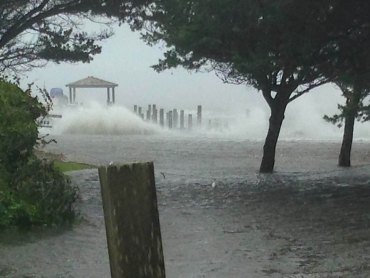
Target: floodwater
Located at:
point(308, 219)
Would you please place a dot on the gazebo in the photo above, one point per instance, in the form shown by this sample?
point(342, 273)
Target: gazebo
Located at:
point(92, 82)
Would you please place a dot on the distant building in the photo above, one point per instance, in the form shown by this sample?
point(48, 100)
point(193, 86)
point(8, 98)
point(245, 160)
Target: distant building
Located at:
point(57, 96)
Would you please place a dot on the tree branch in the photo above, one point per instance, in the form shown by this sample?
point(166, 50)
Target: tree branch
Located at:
point(310, 87)
point(20, 24)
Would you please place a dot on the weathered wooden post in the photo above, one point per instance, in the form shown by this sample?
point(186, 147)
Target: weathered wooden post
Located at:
point(149, 113)
point(161, 117)
point(70, 95)
point(155, 113)
point(74, 95)
point(169, 118)
point(140, 112)
point(175, 118)
point(135, 109)
point(199, 115)
point(132, 220)
point(190, 121)
point(182, 119)
point(108, 97)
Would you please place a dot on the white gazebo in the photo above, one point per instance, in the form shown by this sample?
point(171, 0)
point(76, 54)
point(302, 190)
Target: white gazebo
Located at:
point(92, 82)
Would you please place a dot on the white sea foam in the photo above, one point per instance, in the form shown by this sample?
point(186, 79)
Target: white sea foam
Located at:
point(301, 123)
point(94, 118)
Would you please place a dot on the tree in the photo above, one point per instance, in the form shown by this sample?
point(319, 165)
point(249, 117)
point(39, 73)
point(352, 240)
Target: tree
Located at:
point(277, 46)
point(355, 92)
point(32, 32)
point(352, 63)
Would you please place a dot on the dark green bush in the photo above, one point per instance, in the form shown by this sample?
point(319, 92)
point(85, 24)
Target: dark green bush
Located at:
point(32, 192)
point(42, 196)
point(18, 129)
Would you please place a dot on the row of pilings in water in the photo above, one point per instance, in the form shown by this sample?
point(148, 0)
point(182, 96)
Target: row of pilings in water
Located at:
point(173, 119)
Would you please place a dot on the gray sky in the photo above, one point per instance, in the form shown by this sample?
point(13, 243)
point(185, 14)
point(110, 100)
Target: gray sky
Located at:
point(126, 60)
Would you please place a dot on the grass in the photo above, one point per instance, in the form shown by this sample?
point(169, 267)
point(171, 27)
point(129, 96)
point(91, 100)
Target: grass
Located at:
point(65, 166)
point(60, 164)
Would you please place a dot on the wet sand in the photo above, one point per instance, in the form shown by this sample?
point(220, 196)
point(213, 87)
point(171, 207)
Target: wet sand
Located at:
point(313, 221)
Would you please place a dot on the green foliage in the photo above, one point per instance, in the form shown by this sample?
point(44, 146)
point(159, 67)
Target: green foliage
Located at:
point(273, 45)
point(354, 107)
point(270, 46)
point(18, 130)
point(42, 195)
point(32, 32)
point(351, 58)
point(32, 191)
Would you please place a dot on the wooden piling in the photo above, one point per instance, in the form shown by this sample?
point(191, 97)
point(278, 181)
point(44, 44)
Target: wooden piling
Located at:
point(132, 221)
point(190, 121)
point(182, 119)
point(108, 96)
point(141, 114)
point(161, 117)
point(149, 113)
point(169, 119)
point(199, 115)
point(175, 118)
point(154, 113)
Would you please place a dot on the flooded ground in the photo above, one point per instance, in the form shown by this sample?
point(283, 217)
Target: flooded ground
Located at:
point(309, 219)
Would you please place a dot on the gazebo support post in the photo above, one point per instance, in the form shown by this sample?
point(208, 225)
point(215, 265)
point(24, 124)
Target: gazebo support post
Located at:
point(113, 96)
point(74, 95)
point(108, 96)
point(70, 94)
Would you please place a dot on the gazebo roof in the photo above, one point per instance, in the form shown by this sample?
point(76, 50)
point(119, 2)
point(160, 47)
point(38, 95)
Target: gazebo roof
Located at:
point(91, 82)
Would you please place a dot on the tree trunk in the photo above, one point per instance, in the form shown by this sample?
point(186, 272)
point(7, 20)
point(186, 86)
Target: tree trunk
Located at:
point(345, 151)
point(349, 124)
point(269, 148)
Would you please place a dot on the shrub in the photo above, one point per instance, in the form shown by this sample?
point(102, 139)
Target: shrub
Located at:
point(42, 196)
point(32, 192)
point(18, 129)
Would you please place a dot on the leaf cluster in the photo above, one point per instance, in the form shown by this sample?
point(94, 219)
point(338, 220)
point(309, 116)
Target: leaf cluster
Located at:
point(264, 43)
point(351, 59)
point(355, 105)
point(41, 195)
point(32, 192)
point(273, 45)
point(18, 130)
point(33, 32)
